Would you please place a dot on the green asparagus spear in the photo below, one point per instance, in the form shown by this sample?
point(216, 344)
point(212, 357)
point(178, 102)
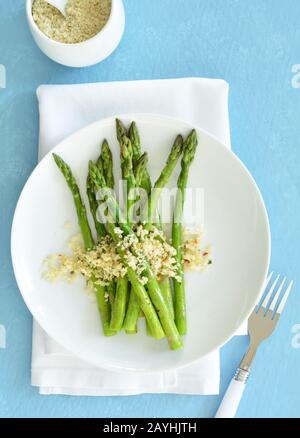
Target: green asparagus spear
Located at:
point(100, 227)
point(111, 290)
point(133, 309)
point(157, 298)
point(107, 164)
point(103, 304)
point(104, 308)
point(132, 314)
point(139, 169)
point(136, 153)
point(190, 146)
point(128, 174)
point(119, 304)
point(147, 307)
point(164, 177)
point(161, 182)
point(118, 299)
point(80, 207)
point(143, 181)
point(121, 130)
point(134, 137)
point(137, 163)
point(99, 163)
point(121, 133)
point(166, 290)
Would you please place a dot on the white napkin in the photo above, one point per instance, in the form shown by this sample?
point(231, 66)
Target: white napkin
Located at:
point(63, 110)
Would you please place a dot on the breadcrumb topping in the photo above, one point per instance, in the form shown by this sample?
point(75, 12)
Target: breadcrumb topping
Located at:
point(195, 258)
point(105, 264)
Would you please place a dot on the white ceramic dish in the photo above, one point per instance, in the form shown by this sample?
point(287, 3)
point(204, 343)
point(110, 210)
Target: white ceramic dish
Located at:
point(88, 52)
point(218, 301)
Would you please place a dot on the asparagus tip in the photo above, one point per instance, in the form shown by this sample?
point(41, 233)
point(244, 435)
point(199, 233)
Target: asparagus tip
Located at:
point(91, 166)
point(132, 127)
point(55, 157)
point(105, 151)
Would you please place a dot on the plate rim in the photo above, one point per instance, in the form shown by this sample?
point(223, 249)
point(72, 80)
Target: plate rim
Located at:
point(156, 117)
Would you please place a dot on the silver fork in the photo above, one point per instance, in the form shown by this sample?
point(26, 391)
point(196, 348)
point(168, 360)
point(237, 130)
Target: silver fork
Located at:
point(261, 325)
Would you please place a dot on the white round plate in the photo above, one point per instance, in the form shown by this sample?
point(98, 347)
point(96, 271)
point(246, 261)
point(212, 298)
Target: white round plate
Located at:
point(218, 300)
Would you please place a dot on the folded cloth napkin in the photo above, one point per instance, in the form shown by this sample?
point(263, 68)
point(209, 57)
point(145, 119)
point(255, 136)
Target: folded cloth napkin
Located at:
point(63, 110)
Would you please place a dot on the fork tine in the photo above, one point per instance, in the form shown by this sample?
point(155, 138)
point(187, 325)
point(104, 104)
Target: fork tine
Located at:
point(284, 298)
point(267, 280)
point(269, 294)
point(275, 299)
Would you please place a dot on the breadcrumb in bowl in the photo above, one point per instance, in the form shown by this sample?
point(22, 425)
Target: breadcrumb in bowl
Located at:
point(86, 52)
point(83, 20)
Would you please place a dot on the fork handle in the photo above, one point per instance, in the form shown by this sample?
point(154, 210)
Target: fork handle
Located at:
point(233, 395)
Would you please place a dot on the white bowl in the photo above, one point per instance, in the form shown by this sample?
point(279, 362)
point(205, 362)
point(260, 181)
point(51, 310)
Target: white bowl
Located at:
point(88, 52)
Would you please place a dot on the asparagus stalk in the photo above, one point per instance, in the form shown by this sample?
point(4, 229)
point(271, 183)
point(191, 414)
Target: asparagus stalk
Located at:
point(99, 162)
point(157, 298)
point(142, 181)
point(132, 314)
point(161, 182)
point(111, 290)
point(164, 177)
point(103, 305)
point(128, 174)
point(133, 309)
point(190, 146)
point(136, 154)
point(139, 170)
point(121, 130)
point(118, 310)
point(119, 307)
point(166, 290)
point(78, 202)
point(121, 133)
point(134, 137)
point(104, 308)
point(100, 227)
point(107, 164)
point(117, 292)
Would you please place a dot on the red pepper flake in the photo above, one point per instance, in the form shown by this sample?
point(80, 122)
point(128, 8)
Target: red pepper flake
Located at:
point(205, 253)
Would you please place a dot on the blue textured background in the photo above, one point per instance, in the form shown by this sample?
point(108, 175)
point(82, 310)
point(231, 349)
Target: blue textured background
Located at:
point(251, 44)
